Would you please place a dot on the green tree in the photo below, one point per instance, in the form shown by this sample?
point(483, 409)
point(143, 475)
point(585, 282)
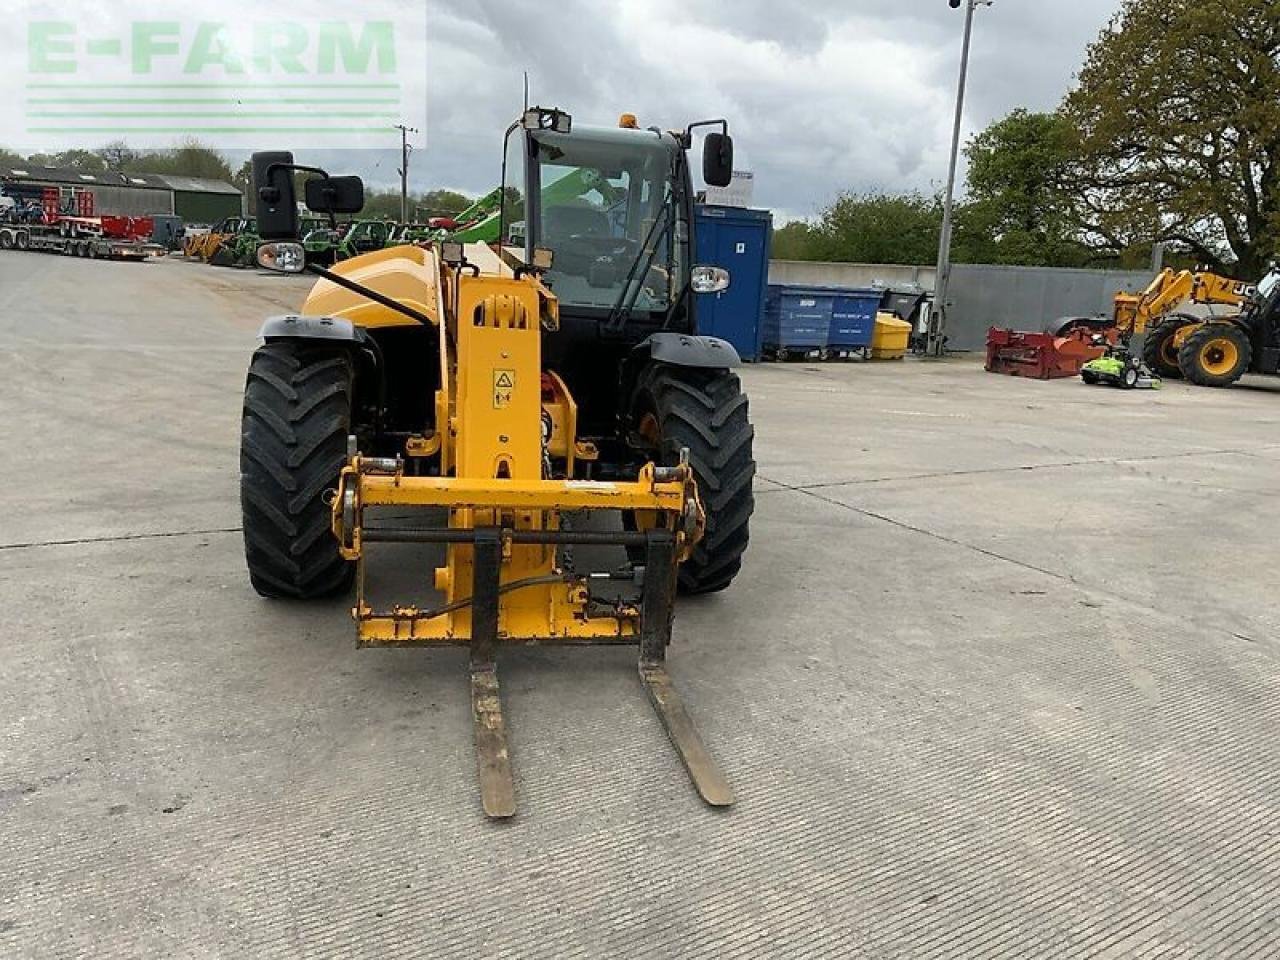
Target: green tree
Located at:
point(83, 160)
point(191, 159)
point(118, 155)
point(9, 158)
point(794, 241)
point(382, 204)
point(1019, 209)
point(877, 228)
point(442, 203)
point(1178, 113)
point(242, 179)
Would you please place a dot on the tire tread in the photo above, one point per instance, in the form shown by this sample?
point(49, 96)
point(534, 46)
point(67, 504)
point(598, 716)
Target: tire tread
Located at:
point(707, 412)
point(296, 417)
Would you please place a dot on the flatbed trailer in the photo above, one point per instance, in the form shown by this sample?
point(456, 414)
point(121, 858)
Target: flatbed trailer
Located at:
point(75, 237)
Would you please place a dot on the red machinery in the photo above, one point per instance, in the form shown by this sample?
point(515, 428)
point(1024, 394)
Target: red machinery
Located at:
point(1040, 356)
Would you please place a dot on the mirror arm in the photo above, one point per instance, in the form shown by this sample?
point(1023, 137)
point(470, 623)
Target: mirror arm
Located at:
point(373, 295)
point(299, 168)
point(688, 133)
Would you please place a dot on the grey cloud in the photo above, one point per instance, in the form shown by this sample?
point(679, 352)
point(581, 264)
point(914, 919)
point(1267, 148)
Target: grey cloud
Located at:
point(830, 95)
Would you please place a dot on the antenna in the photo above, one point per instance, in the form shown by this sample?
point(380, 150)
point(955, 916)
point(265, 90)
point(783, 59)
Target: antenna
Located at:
point(526, 89)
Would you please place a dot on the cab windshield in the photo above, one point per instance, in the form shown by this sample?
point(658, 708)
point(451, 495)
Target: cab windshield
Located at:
point(607, 209)
point(1269, 282)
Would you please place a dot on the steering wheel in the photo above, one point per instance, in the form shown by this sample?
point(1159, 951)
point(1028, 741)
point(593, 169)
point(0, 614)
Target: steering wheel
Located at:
point(606, 259)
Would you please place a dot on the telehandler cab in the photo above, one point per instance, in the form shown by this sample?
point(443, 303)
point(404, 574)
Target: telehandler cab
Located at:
point(529, 395)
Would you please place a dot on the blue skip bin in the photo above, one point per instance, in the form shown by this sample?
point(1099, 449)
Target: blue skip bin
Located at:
point(796, 320)
point(805, 320)
point(853, 320)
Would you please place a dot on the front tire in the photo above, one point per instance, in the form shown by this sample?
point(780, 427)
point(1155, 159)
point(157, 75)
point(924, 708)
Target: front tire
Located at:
point(1159, 352)
point(293, 445)
point(706, 412)
point(1216, 355)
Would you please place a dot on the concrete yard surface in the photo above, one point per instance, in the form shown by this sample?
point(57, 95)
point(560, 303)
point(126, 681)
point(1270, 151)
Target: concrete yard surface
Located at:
point(1001, 678)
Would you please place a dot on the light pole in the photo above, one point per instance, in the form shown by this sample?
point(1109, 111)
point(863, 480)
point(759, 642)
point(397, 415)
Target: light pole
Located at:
point(405, 150)
point(938, 318)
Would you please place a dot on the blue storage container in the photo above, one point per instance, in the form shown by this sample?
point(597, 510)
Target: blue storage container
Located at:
point(796, 319)
point(803, 319)
point(853, 319)
point(738, 240)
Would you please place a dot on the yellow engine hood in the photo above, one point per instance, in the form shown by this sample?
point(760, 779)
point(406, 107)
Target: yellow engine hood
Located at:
point(406, 274)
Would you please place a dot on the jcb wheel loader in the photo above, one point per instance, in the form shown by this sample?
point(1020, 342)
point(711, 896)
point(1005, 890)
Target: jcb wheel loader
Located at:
point(530, 395)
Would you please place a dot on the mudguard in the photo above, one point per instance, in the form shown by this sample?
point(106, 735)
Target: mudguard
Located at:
point(689, 350)
point(297, 327)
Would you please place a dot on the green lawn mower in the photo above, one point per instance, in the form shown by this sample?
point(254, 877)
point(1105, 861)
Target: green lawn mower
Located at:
point(1119, 367)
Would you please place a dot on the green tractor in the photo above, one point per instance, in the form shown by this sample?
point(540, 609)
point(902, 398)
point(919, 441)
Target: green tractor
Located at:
point(326, 246)
point(241, 250)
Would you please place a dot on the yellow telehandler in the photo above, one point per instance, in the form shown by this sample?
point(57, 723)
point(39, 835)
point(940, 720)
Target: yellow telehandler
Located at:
point(1153, 312)
point(514, 400)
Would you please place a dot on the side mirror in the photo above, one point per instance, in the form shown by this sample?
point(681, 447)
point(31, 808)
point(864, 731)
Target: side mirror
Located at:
point(335, 195)
point(274, 200)
point(717, 160)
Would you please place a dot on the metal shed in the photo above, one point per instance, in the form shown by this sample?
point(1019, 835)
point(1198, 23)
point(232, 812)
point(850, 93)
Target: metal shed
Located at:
point(197, 200)
point(128, 194)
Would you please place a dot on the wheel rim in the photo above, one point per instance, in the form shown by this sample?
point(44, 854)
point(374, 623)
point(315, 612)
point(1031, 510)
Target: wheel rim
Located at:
point(649, 429)
point(1219, 356)
point(1169, 351)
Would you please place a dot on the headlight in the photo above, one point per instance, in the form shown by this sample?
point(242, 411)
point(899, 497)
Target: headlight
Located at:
point(282, 257)
point(709, 279)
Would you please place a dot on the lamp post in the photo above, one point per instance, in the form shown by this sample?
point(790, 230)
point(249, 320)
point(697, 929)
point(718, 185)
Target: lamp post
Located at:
point(938, 318)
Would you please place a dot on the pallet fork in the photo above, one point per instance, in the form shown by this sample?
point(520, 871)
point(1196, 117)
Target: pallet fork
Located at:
point(493, 756)
point(647, 625)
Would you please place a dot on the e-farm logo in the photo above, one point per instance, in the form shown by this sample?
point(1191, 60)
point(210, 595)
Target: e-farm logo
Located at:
point(252, 75)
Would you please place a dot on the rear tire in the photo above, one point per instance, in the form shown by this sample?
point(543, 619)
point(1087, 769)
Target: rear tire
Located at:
point(1216, 355)
point(1158, 350)
point(293, 443)
point(706, 412)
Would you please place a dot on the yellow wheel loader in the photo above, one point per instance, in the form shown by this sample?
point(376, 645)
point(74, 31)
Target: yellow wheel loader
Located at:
point(508, 405)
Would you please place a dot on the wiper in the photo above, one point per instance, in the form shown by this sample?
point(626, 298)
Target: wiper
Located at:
point(621, 311)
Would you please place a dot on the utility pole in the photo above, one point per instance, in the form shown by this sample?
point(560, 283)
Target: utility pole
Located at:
point(938, 319)
point(405, 150)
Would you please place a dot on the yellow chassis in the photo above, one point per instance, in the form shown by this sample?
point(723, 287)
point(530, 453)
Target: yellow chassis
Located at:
point(545, 605)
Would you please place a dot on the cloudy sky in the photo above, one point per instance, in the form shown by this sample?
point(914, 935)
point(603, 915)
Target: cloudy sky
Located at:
point(821, 96)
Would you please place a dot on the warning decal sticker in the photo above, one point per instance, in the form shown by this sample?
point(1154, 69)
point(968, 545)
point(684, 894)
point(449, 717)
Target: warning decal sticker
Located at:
point(504, 384)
